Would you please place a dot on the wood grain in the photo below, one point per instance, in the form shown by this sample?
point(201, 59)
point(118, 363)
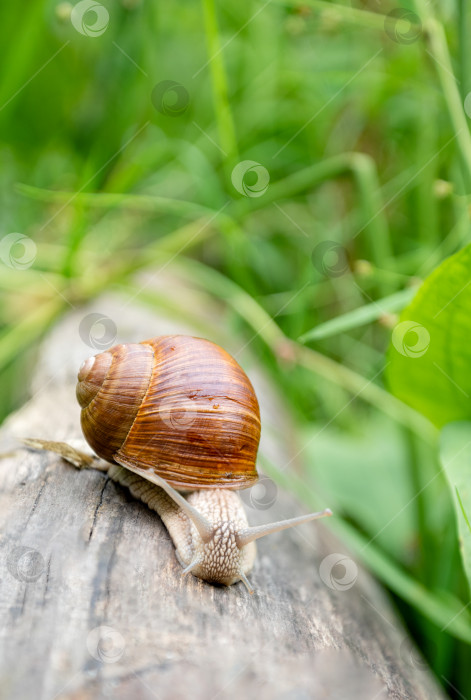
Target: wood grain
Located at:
point(93, 604)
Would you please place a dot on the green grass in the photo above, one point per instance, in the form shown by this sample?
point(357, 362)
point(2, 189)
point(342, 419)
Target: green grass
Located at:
point(367, 146)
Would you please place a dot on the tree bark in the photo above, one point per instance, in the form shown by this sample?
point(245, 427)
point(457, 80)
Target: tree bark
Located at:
point(93, 604)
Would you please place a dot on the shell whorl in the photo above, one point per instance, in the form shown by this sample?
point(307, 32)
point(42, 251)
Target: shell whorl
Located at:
point(90, 377)
point(114, 387)
point(176, 405)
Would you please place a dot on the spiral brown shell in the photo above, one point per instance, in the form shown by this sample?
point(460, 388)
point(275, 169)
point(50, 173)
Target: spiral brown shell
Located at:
point(177, 405)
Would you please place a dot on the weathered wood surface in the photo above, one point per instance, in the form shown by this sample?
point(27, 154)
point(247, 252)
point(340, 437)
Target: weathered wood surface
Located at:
point(93, 604)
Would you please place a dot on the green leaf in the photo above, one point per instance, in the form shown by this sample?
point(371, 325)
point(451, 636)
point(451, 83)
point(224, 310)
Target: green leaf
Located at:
point(363, 480)
point(445, 610)
point(430, 353)
point(455, 455)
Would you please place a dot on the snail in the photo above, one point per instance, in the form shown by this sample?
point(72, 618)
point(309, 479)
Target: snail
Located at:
point(177, 413)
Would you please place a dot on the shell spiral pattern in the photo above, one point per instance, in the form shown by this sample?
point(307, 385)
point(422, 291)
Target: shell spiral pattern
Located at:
point(176, 405)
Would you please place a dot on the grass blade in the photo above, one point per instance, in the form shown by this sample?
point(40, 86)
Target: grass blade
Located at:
point(360, 317)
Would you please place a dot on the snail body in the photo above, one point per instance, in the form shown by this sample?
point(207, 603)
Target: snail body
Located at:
point(213, 555)
point(177, 412)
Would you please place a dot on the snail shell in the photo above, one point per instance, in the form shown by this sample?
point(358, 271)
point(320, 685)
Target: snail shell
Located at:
point(176, 405)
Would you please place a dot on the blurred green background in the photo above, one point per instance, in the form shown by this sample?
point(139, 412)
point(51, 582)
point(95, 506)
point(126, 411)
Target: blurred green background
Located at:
point(123, 125)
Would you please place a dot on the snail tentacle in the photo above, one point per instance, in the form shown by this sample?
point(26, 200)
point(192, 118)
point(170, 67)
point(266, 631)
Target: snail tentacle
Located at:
point(250, 534)
point(178, 412)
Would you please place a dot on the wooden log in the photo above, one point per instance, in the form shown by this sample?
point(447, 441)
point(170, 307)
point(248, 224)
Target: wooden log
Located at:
point(93, 604)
